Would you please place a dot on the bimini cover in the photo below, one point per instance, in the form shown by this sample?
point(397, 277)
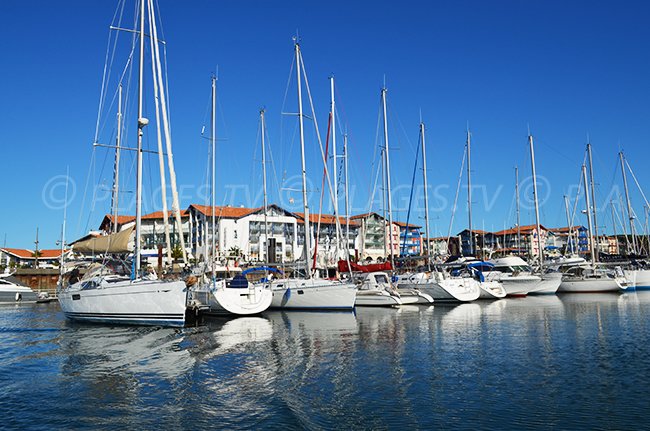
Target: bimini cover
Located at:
point(261, 268)
point(113, 243)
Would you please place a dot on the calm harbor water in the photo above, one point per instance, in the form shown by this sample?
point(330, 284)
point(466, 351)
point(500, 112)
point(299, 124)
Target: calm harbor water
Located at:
point(573, 361)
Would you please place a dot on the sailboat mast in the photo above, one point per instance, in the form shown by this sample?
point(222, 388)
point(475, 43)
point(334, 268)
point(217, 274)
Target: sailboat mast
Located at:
point(518, 213)
point(266, 204)
point(591, 231)
point(469, 193)
point(540, 245)
point(142, 122)
point(611, 203)
point(426, 194)
point(630, 217)
point(213, 139)
point(304, 167)
point(116, 169)
point(387, 172)
point(334, 157)
point(568, 221)
point(347, 200)
point(65, 214)
point(593, 201)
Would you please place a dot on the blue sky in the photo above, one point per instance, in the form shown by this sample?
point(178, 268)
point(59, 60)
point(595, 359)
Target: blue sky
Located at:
point(567, 69)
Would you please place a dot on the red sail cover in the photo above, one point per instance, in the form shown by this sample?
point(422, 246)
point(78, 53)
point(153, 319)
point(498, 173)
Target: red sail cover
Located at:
point(343, 267)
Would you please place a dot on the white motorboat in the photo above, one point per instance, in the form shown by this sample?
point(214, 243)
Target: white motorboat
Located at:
point(515, 274)
point(102, 296)
point(12, 291)
point(548, 285)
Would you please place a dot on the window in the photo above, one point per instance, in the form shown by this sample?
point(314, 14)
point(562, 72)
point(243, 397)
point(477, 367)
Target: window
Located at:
point(235, 231)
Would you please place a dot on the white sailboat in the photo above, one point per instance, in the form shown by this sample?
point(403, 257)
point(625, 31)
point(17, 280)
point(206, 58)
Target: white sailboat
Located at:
point(638, 272)
point(309, 292)
point(549, 281)
point(236, 296)
point(589, 277)
point(110, 293)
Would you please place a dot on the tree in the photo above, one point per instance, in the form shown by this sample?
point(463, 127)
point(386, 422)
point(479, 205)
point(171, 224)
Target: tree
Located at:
point(177, 252)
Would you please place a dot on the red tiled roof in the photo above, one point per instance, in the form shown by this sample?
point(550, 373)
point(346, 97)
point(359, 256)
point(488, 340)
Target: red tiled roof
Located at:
point(24, 253)
point(324, 219)
point(224, 212)
point(364, 215)
point(523, 229)
point(121, 219)
point(159, 215)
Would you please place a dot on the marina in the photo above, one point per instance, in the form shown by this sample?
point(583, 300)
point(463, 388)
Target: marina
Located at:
point(568, 361)
point(253, 232)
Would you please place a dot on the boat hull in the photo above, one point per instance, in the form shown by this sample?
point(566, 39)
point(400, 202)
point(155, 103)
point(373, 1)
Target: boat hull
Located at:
point(141, 302)
point(492, 290)
point(520, 285)
point(448, 290)
point(639, 278)
point(313, 294)
point(548, 285)
point(17, 294)
point(377, 298)
point(246, 301)
point(592, 284)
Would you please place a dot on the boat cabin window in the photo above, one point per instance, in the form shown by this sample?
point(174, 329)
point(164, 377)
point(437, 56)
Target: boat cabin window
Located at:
point(381, 278)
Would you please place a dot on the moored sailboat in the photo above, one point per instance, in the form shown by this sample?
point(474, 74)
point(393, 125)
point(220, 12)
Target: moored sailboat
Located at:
point(122, 293)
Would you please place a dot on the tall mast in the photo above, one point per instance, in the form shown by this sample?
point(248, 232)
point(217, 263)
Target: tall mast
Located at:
point(304, 168)
point(426, 194)
point(161, 154)
point(266, 205)
point(213, 139)
point(593, 201)
point(469, 194)
point(347, 199)
point(65, 213)
point(168, 139)
point(518, 214)
point(142, 122)
point(387, 172)
point(611, 203)
point(334, 157)
point(568, 221)
point(116, 169)
point(591, 231)
point(630, 216)
point(540, 245)
point(36, 251)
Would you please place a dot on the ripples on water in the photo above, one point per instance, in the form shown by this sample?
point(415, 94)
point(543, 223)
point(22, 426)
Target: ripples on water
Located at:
point(563, 362)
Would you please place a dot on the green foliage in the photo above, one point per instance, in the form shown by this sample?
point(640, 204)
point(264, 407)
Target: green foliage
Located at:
point(177, 252)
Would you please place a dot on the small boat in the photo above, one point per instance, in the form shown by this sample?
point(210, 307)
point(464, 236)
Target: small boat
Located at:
point(12, 291)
